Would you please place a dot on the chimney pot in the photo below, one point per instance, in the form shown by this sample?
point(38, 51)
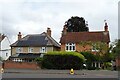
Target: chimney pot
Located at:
point(19, 36)
point(49, 31)
point(106, 27)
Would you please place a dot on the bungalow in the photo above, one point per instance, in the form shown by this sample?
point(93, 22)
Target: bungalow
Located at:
point(32, 46)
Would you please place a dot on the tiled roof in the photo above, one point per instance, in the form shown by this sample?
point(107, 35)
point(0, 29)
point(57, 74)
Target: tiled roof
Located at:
point(36, 40)
point(2, 37)
point(76, 37)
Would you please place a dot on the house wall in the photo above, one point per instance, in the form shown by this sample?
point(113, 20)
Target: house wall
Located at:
point(81, 48)
point(5, 44)
point(62, 47)
point(35, 49)
point(5, 48)
point(5, 54)
point(78, 47)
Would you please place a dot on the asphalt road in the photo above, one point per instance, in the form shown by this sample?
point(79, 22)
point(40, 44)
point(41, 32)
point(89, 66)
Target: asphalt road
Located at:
point(59, 74)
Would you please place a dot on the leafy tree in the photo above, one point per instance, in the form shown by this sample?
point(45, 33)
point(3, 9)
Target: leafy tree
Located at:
point(100, 47)
point(116, 49)
point(76, 24)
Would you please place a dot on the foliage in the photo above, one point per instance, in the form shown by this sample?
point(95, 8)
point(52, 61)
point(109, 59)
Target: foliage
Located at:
point(116, 49)
point(108, 57)
point(101, 48)
point(76, 24)
point(90, 58)
point(63, 60)
point(39, 59)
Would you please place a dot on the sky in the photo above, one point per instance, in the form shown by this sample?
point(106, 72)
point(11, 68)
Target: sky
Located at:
point(35, 16)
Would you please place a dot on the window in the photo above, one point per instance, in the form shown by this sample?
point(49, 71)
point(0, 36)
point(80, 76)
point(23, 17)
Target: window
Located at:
point(43, 50)
point(6, 54)
point(95, 48)
point(19, 50)
point(30, 50)
point(70, 47)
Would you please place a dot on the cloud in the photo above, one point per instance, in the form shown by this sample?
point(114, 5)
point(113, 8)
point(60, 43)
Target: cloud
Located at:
point(34, 16)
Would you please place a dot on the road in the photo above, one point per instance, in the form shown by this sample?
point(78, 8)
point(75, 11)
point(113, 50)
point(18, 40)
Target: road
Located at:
point(59, 74)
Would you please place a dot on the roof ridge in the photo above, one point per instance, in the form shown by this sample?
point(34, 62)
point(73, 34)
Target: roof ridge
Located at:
point(88, 32)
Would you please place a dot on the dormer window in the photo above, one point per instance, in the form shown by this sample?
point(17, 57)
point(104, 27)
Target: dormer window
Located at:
point(70, 47)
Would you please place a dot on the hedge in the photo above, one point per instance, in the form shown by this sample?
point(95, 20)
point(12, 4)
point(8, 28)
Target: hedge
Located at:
point(63, 60)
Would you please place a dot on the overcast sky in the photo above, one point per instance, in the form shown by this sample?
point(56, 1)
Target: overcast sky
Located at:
point(34, 16)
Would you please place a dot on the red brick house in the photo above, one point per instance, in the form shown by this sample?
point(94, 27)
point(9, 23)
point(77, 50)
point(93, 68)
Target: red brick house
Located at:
point(70, 41)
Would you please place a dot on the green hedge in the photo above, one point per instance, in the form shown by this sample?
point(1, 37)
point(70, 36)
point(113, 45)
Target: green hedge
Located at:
point(63, 60)
point(90, 58)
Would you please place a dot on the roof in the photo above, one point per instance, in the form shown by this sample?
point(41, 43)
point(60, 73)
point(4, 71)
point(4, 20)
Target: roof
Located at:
point(24, 55)
point(2, 37)
point(36, 40)
point(76, 37)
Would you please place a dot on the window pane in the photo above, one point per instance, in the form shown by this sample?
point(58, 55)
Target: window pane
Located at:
point(73, 47)
point(66, 47)
point(70, 48)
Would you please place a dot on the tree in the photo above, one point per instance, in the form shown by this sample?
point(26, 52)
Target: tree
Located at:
point(116, 49)
point(76, 24)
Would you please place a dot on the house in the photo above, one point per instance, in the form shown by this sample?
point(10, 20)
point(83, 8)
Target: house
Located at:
point(32, 46)
point(70, 41)
point(78, 41)
point(5, 50)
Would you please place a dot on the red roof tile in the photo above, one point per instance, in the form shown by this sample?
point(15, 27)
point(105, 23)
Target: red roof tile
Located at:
point(76, 37)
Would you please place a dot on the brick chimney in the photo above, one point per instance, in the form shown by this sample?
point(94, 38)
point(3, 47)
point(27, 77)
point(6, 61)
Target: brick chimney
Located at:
point(106, 27)
point(64, 31)
point(19, 36)
point(49, 31)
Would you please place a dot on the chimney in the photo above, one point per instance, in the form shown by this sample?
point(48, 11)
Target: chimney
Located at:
point(49, 31)
point(64, 30)
point(19, 36)
point(106, 27)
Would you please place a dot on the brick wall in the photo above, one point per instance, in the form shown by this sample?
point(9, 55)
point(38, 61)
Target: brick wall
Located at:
point(20, 65)
point(78, 47)
point(118, 62)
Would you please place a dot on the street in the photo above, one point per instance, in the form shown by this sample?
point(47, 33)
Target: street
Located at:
point(58, 74)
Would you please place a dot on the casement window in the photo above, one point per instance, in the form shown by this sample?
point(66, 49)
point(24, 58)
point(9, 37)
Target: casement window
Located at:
point(70, 47)
point(94, 48)
point(19, 50)
point(43, 50)
point(30, 50)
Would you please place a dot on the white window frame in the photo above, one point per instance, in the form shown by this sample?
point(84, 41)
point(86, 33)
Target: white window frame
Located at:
point(30, 50)
point(94, 49)
point(19, 50)
point(43, 50)
point(70, 47)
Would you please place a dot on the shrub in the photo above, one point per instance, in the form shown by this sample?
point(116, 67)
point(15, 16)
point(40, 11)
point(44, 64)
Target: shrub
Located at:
point(63, 60)
point(90, 58)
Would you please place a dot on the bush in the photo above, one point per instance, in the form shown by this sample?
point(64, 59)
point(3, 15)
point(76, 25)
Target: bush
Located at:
point(90, 58)
point(63, 60)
